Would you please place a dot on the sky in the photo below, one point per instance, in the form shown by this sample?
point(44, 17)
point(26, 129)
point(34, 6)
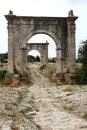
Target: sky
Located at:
point(58, 8)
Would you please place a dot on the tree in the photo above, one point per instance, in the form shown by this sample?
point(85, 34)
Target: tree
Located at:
point(82, 56)
point(82, 52)
point(31, 58)
point(37, 58)
point(3, 57)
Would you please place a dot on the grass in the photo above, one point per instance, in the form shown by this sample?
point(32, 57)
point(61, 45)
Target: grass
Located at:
point(20, 96)
point(69, 94)
point(2, 74)
point(59, 97)
point(29, 109)
point(68, 90)
point(82, 127)
point(13, 127)
point(69, 108)
point(79, 65)
point(37, 110)
point(85, 116)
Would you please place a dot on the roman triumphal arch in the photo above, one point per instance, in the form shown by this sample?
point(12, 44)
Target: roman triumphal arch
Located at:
point(22, 28)
point(42, 48)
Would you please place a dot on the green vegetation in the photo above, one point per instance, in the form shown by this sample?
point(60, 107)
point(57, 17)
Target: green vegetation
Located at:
point(20, 96)
point(80, 79)
point(69, 94)
point(2, 74)
point(81, 73)
point(85, 116)
point(28, 109)
point(3, 57)
point(82, 127)
point(37, 58)
point(68, 89)
point(69, 108)
point(33, 59)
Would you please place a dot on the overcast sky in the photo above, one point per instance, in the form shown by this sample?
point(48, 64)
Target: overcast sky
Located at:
point(43, 8)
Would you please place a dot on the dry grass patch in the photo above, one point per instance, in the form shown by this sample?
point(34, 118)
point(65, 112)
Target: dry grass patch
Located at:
point(68, 89)
point(13, 127)
point(69, 108)
point(79, 65)
point(85, 116)
point(82, 127)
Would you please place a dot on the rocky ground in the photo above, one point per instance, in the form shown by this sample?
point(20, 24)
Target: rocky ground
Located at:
point(43, 105)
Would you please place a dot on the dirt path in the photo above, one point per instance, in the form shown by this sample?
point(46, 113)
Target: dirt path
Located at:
point(50, 102)
point(43, 105)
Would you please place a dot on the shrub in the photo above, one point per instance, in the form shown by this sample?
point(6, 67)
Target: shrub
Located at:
point(80, 76)
point(85, 116)
point(2, 74)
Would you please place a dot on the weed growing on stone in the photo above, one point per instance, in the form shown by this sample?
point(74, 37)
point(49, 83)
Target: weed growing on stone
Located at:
point(69, 108)
point(20, 96)
point(85, 116)
point(82, 127)
point(29, 109)
point(59, 97)
point(69, 94)
point(68, 90)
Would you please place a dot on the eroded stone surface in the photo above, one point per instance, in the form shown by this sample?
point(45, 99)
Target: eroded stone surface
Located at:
point(43, 105)
point(61, 29)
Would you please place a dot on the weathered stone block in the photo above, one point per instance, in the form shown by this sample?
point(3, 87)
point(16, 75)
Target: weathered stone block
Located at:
point(69, 78)
point(25, 78)
point(8, 78)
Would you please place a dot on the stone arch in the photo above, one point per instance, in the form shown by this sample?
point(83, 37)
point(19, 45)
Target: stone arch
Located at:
point(57, 42)
point(42, 48)
point(29, 35)
point(22, 28)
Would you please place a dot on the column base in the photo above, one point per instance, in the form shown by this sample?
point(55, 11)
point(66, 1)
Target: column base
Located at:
point(63, 78)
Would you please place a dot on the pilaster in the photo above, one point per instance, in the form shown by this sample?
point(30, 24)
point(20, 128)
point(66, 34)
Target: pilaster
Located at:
point(10, 49)
point(71, 43)
point(58, 59)
point(23, 63)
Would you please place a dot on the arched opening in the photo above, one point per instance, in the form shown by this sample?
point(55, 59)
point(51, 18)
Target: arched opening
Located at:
point(33, 56)
point(44, 38)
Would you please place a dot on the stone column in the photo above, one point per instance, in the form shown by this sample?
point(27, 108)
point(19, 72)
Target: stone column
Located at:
point(24, 61)
point(41, 59)
point(46, 53)
point(71, 41)
point(10, 18)
point(10, 49)
point(71, 45)
point(58, 60)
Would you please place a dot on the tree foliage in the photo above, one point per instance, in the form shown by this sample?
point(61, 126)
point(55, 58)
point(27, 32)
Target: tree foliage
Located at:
point(3, 57)
point(31, 58)
point(37, 59)
point(81, 74)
